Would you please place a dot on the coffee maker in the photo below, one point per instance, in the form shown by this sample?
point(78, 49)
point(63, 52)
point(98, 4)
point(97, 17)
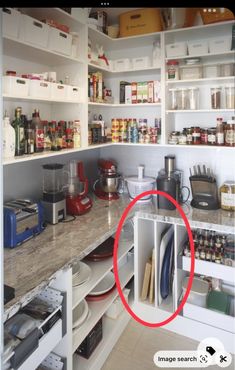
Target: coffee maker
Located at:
point(169, 181)
point(53, 193)
point(77, 201)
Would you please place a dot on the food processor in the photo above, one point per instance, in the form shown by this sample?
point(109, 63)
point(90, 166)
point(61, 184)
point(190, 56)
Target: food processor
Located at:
point(138, 184)
point(53, 193)
point(109, 182)
point(77, 201)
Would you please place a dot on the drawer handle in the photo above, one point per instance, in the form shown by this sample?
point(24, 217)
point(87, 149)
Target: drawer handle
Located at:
point(61, 87)
point(74, 89)
point(43, 84)
point(135, 16)
point(6, 10)
point(20, 82)
point(37, 24)
point(63, 35)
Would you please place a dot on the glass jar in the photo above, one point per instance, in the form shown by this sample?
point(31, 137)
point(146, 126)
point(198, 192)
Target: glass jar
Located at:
point(227, 196)
point(196, 135)
point(230, 133)
point(230, 96)
point(183, 98)
point(189, 138)
point(191, 70)
point(211, 70)
point(174, 137)
point(193, 97)
point(174, 93)
point(172, 72)
point(216, 97)
point(227, 69)
point(182, 138)
point(204, 136)
point(212, 136)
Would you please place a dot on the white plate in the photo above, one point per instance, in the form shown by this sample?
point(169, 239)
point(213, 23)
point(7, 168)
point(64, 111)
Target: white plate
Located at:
point(80, 313)
point(104, 285)
point(76, 268)
point(165, 237)
point(83, 276)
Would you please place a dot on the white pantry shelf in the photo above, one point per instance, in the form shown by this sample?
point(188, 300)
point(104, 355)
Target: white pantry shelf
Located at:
point(199, 110)
point(99, 270)
point(209, 79)
point(200, 27)
point(46, 100)
point(94, 67)
point(15, 47)
point(98, 308)
point(112, 329)
point(126, 105)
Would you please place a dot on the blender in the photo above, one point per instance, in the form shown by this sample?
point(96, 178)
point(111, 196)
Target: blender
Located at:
point(77, 201)
point(53, 193)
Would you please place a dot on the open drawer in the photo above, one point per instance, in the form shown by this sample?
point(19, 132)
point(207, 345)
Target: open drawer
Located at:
point(39, 342)
point(209, 317)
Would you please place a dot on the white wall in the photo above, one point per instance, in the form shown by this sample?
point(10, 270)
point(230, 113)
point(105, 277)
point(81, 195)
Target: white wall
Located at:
point(221, 161)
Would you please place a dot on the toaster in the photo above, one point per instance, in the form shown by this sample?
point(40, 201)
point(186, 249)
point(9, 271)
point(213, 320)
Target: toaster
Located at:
point(23, 219)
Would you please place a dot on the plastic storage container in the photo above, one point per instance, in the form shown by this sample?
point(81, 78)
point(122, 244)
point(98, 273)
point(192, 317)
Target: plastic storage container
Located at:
point(191, 71)
point(183, 98)
point(40, 89)
point(199, 291)
point(173, 102)
point(58, 91)
point(72, 93)
point(216, 94)
point(33, 31)
point(220, 45)
point(218, 301)
point(60, 41)
point(230, 96)
point(211, 70)
point(10, 22)
point(193, 97)
point(198, 47)
point(122, 64)
point(177, 49)
point(16, 86)
point(141, 62)
point(117, 307)
point(227, 69)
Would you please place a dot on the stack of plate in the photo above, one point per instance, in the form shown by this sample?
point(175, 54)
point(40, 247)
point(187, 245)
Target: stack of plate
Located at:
point(103, 288)
point(81, 273)
point(80, 314)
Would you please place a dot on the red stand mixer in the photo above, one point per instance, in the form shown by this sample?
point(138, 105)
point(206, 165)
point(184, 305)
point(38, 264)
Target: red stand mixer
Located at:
point(108, 184)
point(77, 201)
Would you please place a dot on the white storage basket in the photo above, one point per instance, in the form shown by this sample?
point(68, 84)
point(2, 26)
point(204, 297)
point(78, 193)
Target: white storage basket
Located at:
point(15, 86)
point(59, 41)
point(141, 62)
point(73, 93)
point(40, 89)
point(198, 47)
point(33, 31)
point(10, 22)
point(122, 64)
point(220, 45)
point(58, 91)
point(178, 49)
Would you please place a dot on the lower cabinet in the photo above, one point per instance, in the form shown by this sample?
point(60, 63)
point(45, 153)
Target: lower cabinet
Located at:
point(161, 266)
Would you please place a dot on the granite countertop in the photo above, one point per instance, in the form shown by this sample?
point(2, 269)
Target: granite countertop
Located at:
point(31, 266)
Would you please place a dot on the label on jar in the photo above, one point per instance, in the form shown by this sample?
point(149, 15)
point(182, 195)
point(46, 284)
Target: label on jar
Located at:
point(220, 138)
point(228, 200)
point(211, 138)
point(196, 134)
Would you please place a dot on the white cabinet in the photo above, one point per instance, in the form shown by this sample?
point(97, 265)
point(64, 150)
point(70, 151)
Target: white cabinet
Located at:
point(147, 237)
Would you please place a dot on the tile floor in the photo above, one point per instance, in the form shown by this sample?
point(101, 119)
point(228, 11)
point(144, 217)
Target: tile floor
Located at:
point(138, 344)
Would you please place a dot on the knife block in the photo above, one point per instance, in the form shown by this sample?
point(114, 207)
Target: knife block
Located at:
point(204, 192)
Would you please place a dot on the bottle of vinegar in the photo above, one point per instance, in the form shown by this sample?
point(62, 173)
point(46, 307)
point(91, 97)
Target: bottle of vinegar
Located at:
point(19, 132)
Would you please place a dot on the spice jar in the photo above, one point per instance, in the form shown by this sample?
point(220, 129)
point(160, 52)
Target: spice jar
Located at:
point(189, 137)
point(204, 136)
point(212, 136)
point(172, 70)
point(174, 137)
point(227, 196)
point(182, 137)
point(230, 133)
point(196, 135)
point(216, 97)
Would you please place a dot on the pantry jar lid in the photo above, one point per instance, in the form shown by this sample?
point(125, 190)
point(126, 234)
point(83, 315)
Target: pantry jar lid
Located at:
point(199, 286)
point(229, 183)
point(175, 62)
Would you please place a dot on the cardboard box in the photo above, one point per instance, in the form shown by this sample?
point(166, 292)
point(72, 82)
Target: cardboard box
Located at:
point(134, 92)
point(139, 92)
point(145, 92)
point(150, 92)
point(122, 91)
point(139, 22)
point(157, 91)
point(128, 94)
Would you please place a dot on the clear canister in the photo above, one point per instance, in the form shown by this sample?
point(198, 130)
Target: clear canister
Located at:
point(230, 96)
point(193, 93)
point(227, 69)
point(173, 103)
point(183, 98)
point(216, 93)
point(227, 196)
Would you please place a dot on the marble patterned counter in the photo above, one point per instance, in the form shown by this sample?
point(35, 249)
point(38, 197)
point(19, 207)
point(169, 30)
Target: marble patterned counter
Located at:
point(31, 266)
